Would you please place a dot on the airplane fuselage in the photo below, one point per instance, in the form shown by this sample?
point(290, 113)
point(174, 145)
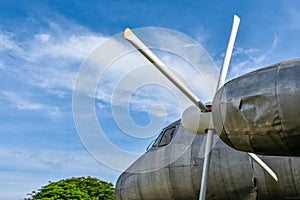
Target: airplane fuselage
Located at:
point(173, 171)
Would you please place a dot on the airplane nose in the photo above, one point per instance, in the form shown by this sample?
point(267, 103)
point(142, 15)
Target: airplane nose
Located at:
point(163, 172)
point(152, 186)
point(170, 182)
point(127, 187)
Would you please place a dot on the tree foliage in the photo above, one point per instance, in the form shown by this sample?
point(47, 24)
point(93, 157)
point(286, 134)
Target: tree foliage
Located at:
point(76, 188)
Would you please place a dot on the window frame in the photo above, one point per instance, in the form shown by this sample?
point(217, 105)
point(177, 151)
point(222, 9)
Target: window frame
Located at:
point(155, 144)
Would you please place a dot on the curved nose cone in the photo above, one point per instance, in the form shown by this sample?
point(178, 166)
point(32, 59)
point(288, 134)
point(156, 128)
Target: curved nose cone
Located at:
point(127, 187)
point(171, 182)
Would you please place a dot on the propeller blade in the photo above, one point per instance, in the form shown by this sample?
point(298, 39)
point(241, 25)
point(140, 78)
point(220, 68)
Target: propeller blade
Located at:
point(208, 146)
point(228, 53)
point(263, 165)
point(222, 77)
point(141, 47)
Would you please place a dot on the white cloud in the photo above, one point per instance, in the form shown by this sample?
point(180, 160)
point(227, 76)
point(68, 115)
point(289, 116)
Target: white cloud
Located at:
point(49, 59)
point(260, 59)
point(241, 50)
point(7, 42)
point(57, 92)
point(248, 59)
point(23, 104)
point(43, 37)
point(1, 65)
point(69, 46)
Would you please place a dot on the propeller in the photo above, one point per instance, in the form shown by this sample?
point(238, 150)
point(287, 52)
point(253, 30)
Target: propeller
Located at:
point(221, 81)
point(188, 118)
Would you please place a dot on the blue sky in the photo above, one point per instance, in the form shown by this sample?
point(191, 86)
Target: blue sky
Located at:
point(44, 43)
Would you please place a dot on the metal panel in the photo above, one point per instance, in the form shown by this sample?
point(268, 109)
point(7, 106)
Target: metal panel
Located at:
point(260, 111)
point(288, 97)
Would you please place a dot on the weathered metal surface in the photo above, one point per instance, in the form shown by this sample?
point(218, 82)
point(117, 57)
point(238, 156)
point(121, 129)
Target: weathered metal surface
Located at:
point(260, 112)
point(174, 172)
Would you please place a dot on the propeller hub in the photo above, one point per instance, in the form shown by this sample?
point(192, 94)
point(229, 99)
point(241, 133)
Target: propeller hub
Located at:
point(195, 121)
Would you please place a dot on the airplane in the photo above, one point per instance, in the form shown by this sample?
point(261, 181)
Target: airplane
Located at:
point(256, 113)
point(232, 174)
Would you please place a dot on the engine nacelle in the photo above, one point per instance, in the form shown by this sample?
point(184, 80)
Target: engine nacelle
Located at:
point(260, 112)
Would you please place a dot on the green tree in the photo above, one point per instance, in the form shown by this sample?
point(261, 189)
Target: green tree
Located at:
point(75, 188)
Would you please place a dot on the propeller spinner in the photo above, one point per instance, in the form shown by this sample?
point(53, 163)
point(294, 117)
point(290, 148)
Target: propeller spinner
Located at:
point(196, 119)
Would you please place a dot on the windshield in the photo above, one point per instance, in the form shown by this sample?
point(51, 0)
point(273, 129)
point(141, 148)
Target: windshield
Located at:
point(165, 137)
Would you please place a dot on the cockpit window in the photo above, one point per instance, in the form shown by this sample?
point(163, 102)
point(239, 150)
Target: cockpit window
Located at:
point(165, 137)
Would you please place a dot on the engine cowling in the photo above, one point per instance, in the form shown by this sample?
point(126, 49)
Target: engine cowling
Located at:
point(260, 112)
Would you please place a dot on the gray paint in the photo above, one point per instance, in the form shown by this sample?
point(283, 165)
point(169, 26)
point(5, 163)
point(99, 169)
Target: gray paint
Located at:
point(260, 112)
point(160, 174)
